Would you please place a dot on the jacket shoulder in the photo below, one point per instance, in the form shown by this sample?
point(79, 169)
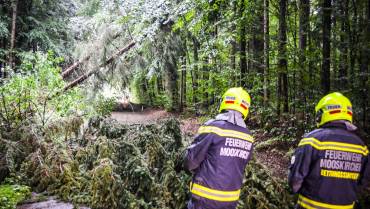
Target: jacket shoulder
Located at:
point(315, 133)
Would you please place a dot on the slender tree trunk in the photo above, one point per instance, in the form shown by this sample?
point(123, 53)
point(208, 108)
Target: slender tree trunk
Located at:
point(205, 81)
point(234, 45)
point(183, 84)
point(326, 28)
point(283, 64)
point(159, 84)
point(242, 46)
point(353, 32)
point(304, 27)
point(266, 48)
point(195, 71)
point(343, 45)
point(12, 36)
point(258, 38)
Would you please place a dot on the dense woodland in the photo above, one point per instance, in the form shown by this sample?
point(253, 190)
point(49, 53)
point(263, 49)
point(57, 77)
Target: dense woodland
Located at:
point(287, 54)
point(57, 57)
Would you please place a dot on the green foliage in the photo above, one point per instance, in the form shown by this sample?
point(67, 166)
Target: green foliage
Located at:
point(11, 195)
point(104, 106)
point(33, 95)
point(117, 167)
point(262, 190)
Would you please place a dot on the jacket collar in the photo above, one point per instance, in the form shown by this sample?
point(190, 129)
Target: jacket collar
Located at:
point(233, 117)
point(342, 124)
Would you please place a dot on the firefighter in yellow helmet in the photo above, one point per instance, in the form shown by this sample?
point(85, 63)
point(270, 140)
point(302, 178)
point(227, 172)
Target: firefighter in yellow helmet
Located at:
point(219, 154)
point(331, 163)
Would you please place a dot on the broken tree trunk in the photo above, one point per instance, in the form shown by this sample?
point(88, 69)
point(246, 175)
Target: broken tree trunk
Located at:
point(107, 62)
point(72, 68)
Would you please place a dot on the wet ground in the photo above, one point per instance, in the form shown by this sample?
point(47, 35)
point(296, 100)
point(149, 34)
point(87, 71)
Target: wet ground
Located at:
point(49, 204)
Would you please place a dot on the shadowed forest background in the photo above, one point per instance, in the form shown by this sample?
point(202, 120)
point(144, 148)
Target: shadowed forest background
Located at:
point(67, 65)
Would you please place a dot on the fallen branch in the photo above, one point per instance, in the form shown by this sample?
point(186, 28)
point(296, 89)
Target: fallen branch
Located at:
point(107, 62)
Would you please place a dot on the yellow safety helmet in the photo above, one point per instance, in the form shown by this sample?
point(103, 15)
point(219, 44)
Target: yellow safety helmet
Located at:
point(236, 99)
point(332, 107)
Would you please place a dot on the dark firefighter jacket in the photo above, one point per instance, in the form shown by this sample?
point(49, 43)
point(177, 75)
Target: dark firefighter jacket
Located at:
point(217, 158)
point(328, 167)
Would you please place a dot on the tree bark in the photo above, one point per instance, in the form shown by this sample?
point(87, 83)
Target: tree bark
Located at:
point(13, 31)
point(283, 64)
point(107, 62)
point(266, 48)
point(326, 28)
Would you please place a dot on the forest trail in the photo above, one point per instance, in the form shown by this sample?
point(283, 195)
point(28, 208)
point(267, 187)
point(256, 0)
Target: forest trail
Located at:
point(141, 117)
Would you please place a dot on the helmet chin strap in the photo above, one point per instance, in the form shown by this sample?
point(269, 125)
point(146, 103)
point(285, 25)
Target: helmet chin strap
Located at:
point(319, 116)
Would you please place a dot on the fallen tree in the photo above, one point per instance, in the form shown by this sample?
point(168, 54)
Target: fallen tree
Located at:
point(92, 72)
point(110, 165)
point(73, 67)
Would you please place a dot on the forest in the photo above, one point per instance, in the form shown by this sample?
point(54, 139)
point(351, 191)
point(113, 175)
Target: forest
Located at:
point(99, 98)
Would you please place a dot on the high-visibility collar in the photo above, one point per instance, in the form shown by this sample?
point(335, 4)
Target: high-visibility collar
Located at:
point(332, 145)
point(225, 133)
point(213, 194)
point(312, 204)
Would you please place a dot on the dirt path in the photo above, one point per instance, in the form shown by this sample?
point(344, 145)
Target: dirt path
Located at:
point(140, 117)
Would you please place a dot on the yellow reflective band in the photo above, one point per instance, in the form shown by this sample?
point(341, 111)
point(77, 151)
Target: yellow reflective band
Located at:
point(311, 204)
point(225, 133)
point(331, 145)
point(339, 174)
point(212, 194)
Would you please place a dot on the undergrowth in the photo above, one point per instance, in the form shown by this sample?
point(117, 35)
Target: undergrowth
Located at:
point(11, 195)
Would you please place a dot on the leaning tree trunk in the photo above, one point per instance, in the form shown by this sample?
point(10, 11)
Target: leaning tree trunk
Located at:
point(326, 31)
point(12, 36)
point(107, 62)
point(283, 63)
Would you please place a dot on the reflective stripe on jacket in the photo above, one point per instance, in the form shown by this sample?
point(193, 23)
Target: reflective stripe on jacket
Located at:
point(217, 158)
point(312, 204)
point(328, 167)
